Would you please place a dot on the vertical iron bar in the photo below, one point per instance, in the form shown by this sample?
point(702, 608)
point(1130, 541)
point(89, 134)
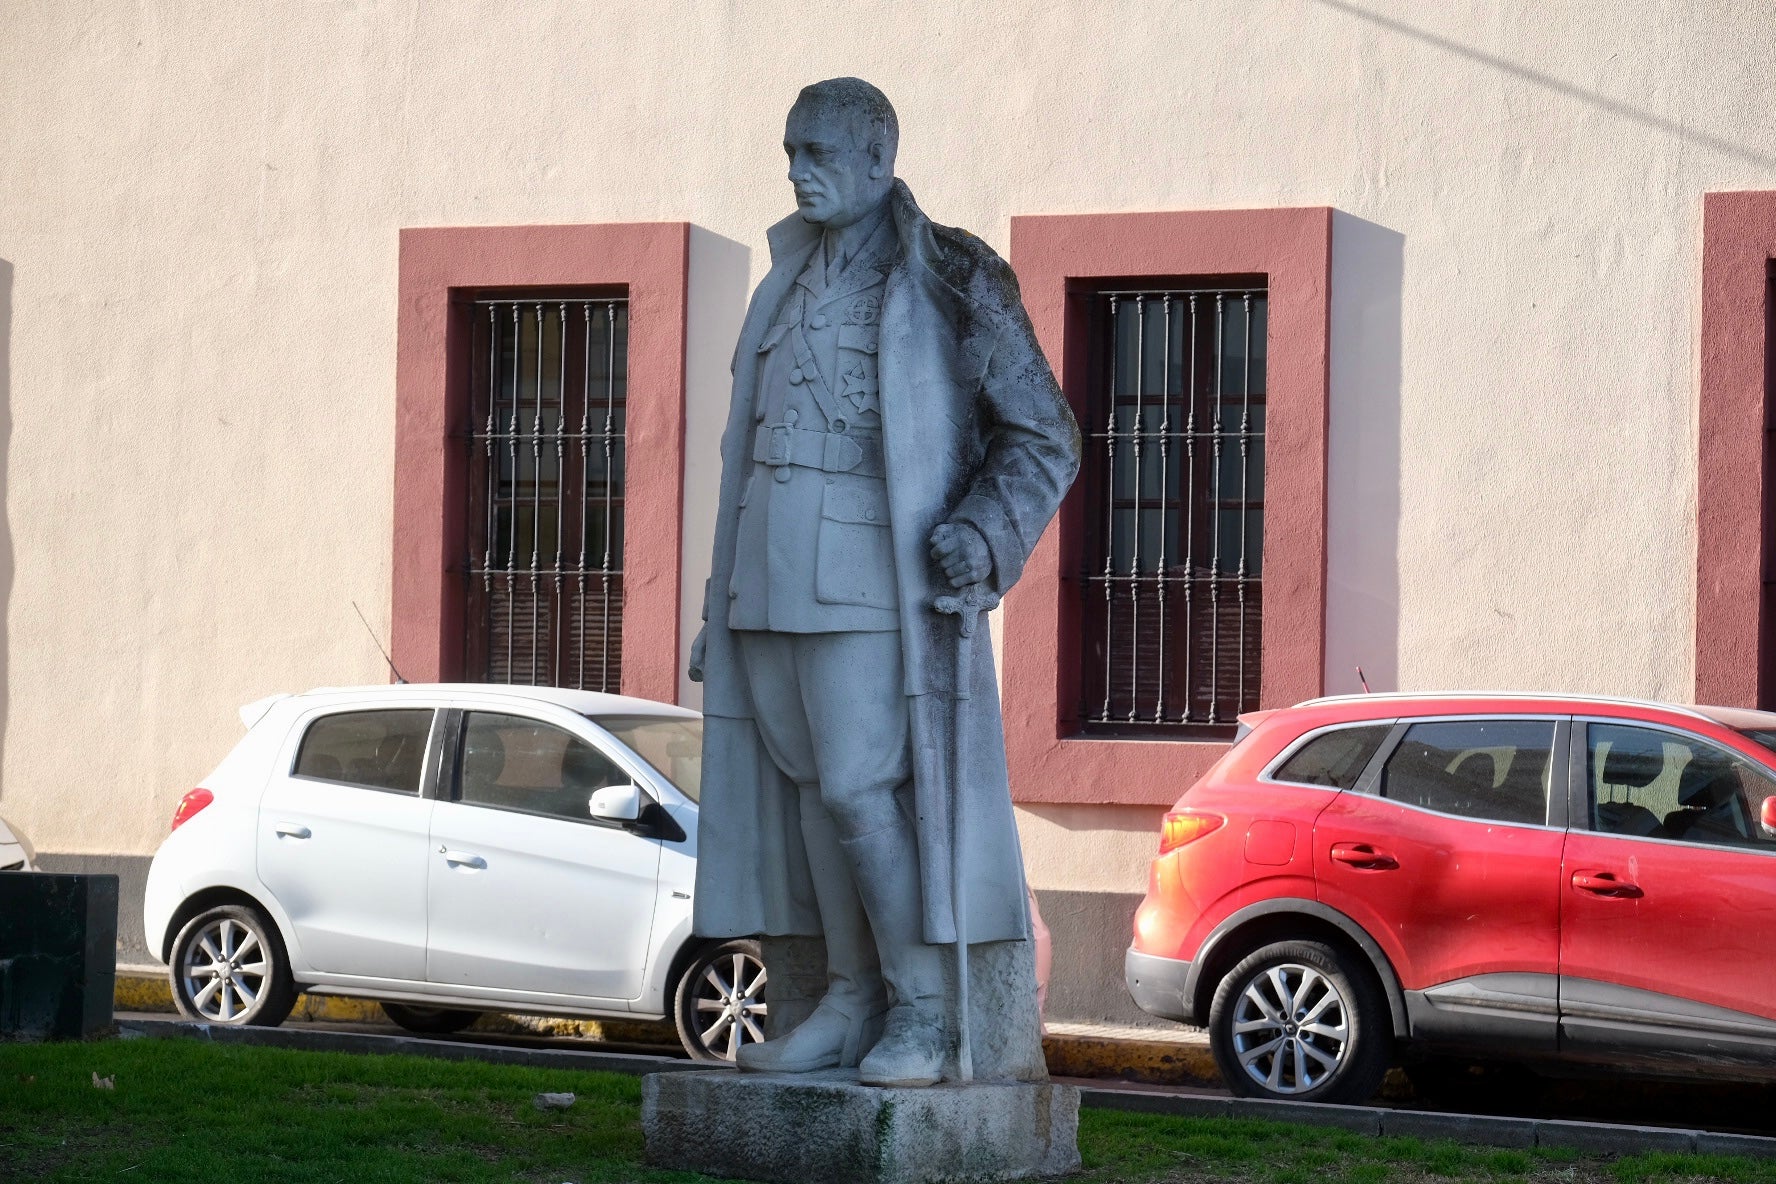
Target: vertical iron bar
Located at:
point(557, 634)
point(1110, 510)
point(536, 493)
point(1189, 492)
point(493, 385)
point(512, 502)
point(1165, 493)
point(1214, 505)
point(1245, 472)
point(610, 406)
point(582, 480)
point(1135, 551)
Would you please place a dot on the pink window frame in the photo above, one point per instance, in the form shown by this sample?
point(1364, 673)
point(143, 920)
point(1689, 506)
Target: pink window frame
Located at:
point(441, 269)
point(1055, 255)
point(1738, 245)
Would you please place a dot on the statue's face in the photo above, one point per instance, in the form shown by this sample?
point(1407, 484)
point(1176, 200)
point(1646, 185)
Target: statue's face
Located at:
point(838, 174)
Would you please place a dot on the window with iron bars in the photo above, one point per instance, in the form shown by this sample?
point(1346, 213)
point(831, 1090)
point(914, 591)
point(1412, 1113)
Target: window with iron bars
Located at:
point(1172, 588)
point(545, 492)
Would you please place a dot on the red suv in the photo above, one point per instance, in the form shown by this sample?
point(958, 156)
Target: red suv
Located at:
point(1498, 875)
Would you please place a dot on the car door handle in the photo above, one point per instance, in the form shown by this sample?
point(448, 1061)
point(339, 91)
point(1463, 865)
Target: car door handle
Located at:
point(1605, 884)
point(462, 859)
point(292, 830)
point(1363, 857)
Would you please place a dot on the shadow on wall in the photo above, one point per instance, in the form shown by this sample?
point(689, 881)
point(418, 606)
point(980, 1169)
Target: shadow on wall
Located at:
point(1363, 445)
point(6, 563)
point(720, 282)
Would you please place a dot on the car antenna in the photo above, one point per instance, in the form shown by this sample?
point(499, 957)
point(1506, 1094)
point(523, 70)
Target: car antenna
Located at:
point(378, 643)
point(1360, 679)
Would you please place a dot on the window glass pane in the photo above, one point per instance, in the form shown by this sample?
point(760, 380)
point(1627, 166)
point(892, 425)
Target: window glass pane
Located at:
point(516, 763)
point(1487, 769)
point(1336, 758)
point(673, 747)
point(1664, 785)
point(374, 749)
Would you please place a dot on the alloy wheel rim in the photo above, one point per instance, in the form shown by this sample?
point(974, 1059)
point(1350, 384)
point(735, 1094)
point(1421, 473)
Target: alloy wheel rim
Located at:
point(224, 971)
point(1291, 1028)
point(729, 1005)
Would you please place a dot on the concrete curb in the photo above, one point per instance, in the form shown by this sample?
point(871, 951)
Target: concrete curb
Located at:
point(1487, 1130)
point(1375, 1121)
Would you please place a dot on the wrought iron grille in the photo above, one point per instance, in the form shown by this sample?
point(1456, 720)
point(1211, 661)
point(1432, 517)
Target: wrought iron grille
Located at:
point(1172, 591)
point(546, 467)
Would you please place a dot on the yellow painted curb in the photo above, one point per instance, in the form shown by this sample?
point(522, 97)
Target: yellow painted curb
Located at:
point(1159, 1062)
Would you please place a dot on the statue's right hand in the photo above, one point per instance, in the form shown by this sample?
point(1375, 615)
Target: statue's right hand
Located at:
point(697, 650)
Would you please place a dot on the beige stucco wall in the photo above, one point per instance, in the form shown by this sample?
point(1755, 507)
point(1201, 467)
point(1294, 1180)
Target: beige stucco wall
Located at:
point(199, 206)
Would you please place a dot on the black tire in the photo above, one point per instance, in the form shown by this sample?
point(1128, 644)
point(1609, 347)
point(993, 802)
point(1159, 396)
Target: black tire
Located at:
point(1341, 1056)
point(228, 966)
point(429, 1021)
point(719, 1002)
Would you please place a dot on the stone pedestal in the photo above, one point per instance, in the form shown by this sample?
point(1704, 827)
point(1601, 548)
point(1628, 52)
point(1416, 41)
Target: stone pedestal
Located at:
point(810, 1128)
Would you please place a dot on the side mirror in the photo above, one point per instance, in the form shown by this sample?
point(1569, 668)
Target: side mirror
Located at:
point(1767, 816)
point(616, 803)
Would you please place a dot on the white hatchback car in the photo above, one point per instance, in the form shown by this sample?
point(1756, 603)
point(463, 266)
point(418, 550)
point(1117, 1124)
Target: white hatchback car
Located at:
point(449, 850)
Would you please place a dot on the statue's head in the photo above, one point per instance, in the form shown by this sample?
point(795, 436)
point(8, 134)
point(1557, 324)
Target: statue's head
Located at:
point(840, 136)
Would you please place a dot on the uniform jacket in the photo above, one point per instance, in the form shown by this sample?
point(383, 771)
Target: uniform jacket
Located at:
point(974, 430)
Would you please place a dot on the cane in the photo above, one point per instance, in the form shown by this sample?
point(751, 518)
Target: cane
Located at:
point(966, 606)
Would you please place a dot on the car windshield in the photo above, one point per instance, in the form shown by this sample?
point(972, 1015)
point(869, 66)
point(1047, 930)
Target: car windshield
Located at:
point(673, 746)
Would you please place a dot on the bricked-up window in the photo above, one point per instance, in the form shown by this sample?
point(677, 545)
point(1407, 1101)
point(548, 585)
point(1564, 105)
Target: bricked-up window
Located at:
point(545, 492)
point(1172, 589)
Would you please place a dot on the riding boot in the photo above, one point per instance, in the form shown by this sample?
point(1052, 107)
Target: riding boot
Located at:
point(849, 1017)
point(915, 1040)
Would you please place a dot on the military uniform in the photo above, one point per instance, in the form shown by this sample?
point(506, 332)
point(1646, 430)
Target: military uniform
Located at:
point(814, 514)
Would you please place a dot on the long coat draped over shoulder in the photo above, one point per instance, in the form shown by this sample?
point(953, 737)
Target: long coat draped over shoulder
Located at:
point(974, 430)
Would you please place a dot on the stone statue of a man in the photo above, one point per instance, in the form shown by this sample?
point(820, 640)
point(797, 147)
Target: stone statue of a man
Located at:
point(895, 435)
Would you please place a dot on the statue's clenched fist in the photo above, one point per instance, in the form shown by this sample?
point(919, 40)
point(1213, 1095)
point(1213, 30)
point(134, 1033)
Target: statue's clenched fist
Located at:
point(961, 554)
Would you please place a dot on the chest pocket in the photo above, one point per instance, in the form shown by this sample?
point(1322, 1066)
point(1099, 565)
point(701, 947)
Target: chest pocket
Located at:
point(774, 336)
point(862, 338)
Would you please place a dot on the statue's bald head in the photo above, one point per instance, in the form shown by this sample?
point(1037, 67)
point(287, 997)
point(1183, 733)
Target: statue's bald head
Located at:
point(863, 106)
point(840, 138)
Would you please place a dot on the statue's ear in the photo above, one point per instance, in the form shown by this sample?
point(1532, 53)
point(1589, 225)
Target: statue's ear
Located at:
point(879, 165)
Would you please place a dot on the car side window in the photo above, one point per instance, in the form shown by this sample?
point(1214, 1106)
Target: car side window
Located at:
point(370, 749)
point(1336, 758)
point(1665, 785)
point(515, 763)
point(1494, 770)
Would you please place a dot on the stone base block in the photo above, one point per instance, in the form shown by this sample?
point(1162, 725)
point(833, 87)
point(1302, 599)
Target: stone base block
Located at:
point(810, 1128)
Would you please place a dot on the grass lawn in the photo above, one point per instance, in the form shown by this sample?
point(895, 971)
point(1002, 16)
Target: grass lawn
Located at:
point(187, 1111)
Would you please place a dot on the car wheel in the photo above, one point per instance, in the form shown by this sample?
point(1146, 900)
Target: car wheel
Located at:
point(229, 967)
point(720, 1004)
point(429, 1021)
point(1300, 1020)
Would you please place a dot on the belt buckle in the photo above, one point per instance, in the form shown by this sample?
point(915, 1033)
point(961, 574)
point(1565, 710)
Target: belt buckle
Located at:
point(780, 449)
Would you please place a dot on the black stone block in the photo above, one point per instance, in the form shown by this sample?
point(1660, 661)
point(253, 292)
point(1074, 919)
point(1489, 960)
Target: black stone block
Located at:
point(58, 955)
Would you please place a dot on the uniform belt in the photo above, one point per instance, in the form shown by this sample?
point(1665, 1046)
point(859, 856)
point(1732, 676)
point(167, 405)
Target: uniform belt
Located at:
point(783, 444)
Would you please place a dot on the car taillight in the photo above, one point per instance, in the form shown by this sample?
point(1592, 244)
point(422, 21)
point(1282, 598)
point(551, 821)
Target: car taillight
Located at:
point(1184, 826)
point(190, 804)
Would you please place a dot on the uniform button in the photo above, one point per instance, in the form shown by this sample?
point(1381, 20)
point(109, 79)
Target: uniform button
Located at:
point(796, 377)
point(869, 515)
point(838, 425)
point(818, 321)
point(733, 594)
point(830, 481)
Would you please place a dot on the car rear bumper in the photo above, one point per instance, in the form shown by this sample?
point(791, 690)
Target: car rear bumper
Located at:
point(1157, 985)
